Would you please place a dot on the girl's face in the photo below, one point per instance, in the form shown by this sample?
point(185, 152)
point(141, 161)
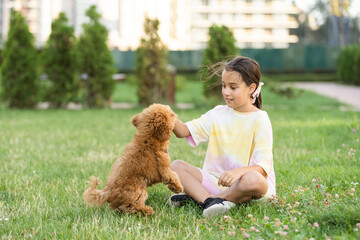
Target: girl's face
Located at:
point(236, 93)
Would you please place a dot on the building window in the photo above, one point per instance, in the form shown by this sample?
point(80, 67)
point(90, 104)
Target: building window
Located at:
point(248, 17)
point(205, 2)
point(234, 16)
point(291, 19)
point(204, 16)
point(247, 45)
point(268, 17)
point(268, 31)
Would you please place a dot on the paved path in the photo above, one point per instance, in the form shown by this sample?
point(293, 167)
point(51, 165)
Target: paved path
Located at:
point(344, 93)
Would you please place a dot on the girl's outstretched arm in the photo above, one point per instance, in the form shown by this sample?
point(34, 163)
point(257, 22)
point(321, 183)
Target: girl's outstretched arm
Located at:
point(180, 129)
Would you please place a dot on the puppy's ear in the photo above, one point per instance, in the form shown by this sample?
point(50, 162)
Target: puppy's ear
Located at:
point(135, 120)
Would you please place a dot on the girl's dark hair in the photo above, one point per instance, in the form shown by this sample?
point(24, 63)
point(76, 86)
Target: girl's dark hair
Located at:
point(248, 69)
point(250, 72)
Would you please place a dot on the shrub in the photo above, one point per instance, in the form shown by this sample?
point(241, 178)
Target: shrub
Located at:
point(348, 64)
point(20, 78)
point(60, 63)
point(96, 61)
point(153, 76)
point(285, 90)
point(220, 47)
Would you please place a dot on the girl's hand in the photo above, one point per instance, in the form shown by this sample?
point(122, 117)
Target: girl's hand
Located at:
point(228, 178)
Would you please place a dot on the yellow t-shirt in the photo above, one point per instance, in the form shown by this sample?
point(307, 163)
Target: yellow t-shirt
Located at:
point(235, 140)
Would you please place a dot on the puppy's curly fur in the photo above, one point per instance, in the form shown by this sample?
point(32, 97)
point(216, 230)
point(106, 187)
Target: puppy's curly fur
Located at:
point(145, 162)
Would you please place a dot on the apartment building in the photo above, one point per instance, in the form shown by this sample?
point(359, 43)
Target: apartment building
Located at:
point(75, 10)
point(174, 17)
point(255, 23)
point(38, 15)
point(184, 24)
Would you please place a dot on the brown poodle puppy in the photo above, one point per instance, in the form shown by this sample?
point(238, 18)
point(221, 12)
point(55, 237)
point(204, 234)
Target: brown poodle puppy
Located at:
point(145, 162)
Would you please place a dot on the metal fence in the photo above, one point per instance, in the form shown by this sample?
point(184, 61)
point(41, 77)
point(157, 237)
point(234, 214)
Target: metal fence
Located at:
point(295, 59)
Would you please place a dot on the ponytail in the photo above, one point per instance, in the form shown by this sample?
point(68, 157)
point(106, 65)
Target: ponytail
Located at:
point(258, 102)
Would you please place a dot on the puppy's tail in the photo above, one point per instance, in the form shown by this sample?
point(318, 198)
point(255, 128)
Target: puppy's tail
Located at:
point(93, 196)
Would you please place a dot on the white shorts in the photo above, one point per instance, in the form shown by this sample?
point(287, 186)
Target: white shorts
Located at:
point(209, 181)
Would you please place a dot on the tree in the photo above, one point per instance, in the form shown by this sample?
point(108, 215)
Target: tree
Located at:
point(221, 45)
point(96, 61)
point(355, 30)
point(59, 62)
point(20, 78)
point(320, 34)
point(306, 33)
point(153, 76)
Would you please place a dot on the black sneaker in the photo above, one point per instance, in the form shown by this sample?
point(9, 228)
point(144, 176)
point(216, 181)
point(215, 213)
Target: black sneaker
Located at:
point(179, 200)
point(216, 207)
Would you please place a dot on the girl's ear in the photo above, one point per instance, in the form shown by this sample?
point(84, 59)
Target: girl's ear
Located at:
point(252, 88)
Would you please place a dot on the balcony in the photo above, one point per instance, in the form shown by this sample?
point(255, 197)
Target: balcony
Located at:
point(247, 9)
point(247, 24)
point(252, 38)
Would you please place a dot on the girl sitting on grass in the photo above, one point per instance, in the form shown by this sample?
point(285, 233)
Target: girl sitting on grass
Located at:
point(238, 165)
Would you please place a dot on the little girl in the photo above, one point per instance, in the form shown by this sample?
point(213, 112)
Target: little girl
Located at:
point(238, 165)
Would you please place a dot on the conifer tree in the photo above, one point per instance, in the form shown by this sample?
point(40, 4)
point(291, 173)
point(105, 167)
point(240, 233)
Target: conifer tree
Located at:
point(96, 61)
point(221, 45)
point(20, 79)
point(153, 76)
point(59, 62)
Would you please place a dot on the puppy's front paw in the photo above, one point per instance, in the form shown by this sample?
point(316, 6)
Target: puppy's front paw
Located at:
point(176, 188)
point(147, 211)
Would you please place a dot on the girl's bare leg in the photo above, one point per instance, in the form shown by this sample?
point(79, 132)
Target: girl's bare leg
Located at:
point(250, 185)
point(191, 179)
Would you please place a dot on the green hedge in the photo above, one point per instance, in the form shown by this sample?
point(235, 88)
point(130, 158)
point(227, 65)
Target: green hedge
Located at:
point(348, 64)
point(295, 59)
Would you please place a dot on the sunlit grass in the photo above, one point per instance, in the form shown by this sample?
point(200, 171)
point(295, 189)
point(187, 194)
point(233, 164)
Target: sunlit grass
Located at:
point(48, 156)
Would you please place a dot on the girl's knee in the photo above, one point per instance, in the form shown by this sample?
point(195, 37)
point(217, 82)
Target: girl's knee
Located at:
point(253, 181)
point(180, 166)
point(177, 165)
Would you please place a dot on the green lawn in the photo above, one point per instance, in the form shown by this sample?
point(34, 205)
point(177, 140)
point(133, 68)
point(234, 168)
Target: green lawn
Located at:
point(48, 156)
point(189, 91)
